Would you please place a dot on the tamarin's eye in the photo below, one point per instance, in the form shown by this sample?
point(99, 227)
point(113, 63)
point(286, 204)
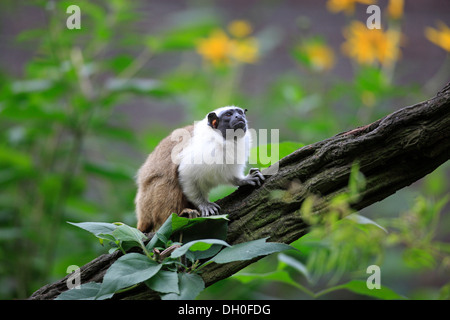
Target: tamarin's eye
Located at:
point(228, 113)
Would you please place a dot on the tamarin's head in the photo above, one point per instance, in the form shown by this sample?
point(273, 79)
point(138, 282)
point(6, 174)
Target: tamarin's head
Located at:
point(227, 118)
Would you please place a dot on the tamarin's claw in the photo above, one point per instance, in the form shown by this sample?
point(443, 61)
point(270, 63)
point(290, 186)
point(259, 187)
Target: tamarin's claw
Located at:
point(189, 213)
point(209, 208)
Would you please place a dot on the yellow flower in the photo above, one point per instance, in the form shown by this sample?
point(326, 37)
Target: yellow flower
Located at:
point(348, 6)
point(240, 28)
point(395, 8)
point(317, 55)
point(220, 49)
point(368, 46)
point(245, 50)
point(439, 37)
point(216, 48)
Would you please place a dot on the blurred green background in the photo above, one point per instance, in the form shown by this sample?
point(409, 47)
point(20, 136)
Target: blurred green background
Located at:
point(81, 109)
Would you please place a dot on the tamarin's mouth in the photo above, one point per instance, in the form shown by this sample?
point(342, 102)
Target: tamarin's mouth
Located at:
point(239, 122)
point(239, 125)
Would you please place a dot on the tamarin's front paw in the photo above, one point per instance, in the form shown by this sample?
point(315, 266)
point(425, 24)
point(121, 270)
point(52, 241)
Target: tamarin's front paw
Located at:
point(189, 213)
point(209, 208)
point(255, 172)
point(254, 177)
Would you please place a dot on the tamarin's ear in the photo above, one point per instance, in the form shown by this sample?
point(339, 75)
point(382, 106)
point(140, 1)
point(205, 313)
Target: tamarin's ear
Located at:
point(245, 111)
point(213, 120)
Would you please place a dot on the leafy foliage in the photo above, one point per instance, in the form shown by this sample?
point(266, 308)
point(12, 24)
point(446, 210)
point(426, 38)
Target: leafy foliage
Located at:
point(336, 247)
point(79, 115)
point(168, 274)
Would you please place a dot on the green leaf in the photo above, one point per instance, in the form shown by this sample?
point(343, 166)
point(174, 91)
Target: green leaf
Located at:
point(360, 287)
point(296, 264)
point(119, 62)
point(199, 255)
point(371, 79)
point(129, 237)
point(190, 285)
point(164, 282)
point(11, 157)
point(444, 293)
point(287, 147)
point(99, 229)
point(249, 250)
point(105, 236)
point(207, 229)
point(214, 227)
point(128, 270)
point(197, 245)
point(419, 258)
point(267, 154)
point(176, 223)
point(278, 276)
point(127, 233)
point(162, 235)
point(181, 223)
point(363, 220)
point(202, 245)
point(87, 291)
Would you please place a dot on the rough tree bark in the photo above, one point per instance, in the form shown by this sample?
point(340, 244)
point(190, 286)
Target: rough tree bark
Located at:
point(393, 152)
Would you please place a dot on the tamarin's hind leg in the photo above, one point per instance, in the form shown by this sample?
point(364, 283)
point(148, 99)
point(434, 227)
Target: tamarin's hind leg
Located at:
point(144, 226)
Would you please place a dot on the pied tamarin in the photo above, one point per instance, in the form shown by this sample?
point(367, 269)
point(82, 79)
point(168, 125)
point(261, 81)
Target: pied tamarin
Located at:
point(186, 165)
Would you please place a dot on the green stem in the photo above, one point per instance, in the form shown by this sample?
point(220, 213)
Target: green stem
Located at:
point(328, 290)
point(127, 289)
point(146, 251)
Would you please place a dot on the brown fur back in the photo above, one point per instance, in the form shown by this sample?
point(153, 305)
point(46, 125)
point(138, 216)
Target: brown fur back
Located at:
point(159, 191)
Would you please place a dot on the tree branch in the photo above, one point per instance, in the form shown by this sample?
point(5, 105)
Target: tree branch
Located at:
point(392, 152)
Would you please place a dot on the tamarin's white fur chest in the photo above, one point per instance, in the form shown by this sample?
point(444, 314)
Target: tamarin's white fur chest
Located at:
point(209, 160)
point(186, 165)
